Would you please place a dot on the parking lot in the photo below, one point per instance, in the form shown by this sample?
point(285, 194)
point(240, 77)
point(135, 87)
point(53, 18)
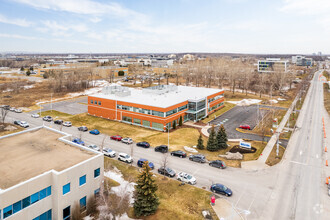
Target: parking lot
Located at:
point(72, 106)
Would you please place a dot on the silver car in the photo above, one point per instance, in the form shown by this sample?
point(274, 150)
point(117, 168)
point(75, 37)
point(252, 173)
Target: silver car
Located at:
point(67, 124)
point(127, 140)
point(108, 152)
point(35, 115)
point(187, 178)
point(94, 147)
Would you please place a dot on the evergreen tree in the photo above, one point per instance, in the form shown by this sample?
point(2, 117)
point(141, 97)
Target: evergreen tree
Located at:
point(28, 73)
point(174, 125)
point(180, 120)
point(211, 142)
point(31, 68)
point(22, 68)
point(145, 199)
point(200, 144)
point(221, 138)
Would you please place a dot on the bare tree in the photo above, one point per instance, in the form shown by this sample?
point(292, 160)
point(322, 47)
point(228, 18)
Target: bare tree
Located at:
point(132, 151)
point(165, 162)
point(77, 212)
point(103, 142)
point(4, 112)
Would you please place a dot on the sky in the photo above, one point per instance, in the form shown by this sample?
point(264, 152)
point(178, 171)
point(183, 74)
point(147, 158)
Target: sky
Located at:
point(165, 26)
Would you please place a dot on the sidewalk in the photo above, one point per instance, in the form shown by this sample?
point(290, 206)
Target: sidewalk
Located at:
point(225, 210)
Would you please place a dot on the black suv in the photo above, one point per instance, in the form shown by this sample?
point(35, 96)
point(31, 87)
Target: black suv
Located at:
point(161, 148)
point(83, 128)
point(179, 153)
point(167, 171)
point(143, 144)
point(218, 164)
point(197, 158)
point(58, 122)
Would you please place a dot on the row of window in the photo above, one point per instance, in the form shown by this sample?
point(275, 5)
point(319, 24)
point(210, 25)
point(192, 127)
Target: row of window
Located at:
point(152, 112)
point(82, 180)
point(215, 98)
point(18, 206)
point(45, 216)
point(145, 123)
point(95, 102)
point(216, 106)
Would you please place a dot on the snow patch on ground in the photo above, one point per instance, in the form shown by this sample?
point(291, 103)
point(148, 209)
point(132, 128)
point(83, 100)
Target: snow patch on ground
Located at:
point(245, 102)
point(273, 101)
point(124, 186)
point(280, 99)
point(28, 87)
point(190, 149)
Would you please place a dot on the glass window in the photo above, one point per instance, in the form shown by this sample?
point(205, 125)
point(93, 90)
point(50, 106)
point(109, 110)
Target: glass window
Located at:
point(45, 216)
point(17, 206)
point(66, 213)
point(157, 113)
point(82, 202)
point(97, 192)
point(43, 193)
point(201, 105)
point(66, 188)
point(91, 101)
point(192, 106)
point(49, 190)
point(128, 119)
point(8, 211)
point(95, 102)
point(35, 198)
point(182, 107)
point(99, 102)
point(146, 123)
point(157, 126)
point(137, 121)
point(26, 202)
point(82, 180)
point(97, 172)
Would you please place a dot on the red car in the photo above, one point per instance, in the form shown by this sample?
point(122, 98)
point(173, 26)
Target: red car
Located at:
point(116, 138)
point(246, 127)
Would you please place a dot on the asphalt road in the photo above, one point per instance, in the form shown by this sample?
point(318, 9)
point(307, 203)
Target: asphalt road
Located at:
point(300, 190)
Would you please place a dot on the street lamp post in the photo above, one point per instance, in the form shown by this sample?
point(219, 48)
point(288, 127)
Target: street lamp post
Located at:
point(168, 135)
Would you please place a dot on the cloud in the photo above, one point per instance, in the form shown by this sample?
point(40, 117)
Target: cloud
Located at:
point(19, 37)
point(57, 29)
point(15, 21)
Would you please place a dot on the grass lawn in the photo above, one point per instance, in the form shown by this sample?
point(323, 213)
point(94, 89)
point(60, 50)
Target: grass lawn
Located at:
point(176, 202)
point(272, 160)
point(219, 112)
point(237, 96)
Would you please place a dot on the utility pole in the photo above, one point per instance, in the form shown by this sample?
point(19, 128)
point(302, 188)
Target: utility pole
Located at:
point(51, 102)
point(277, 144)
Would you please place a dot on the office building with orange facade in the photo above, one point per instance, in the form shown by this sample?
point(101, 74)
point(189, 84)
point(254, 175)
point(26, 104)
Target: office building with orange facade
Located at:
point(155, 107)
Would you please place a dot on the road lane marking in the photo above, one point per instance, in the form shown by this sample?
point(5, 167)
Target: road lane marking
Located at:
point(300, 152)
point(298, 162)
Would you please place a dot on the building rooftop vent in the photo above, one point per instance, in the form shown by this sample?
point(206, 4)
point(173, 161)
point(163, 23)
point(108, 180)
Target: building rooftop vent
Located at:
point(116, 90)
point(160, 89)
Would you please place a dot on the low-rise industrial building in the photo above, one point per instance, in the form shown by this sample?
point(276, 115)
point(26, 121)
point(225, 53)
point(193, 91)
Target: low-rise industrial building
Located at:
point(155, 107)
point(272, 65)
point(44, 175)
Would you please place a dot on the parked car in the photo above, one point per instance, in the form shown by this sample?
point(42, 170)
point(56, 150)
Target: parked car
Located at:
point(58, 122)
point(47, 118)
point(141, 162)
point(179, 153)
point(116, 138)
point(200, 158)
point(125, 158)
point(78, 141)
point(6, 107)
point(161, 148)
point(94, 147)
point(187, 178)
point(83, 128)
point(218, 164)
point(246, 127)
point(143, 144)
point(108, 152)
point(35, 115)
point(167, 171)
point(18, 110)
point(127, 140)
point(12, 109)
point(221, 189)
point(23, 124)
point(67, 124)
point(95, 132)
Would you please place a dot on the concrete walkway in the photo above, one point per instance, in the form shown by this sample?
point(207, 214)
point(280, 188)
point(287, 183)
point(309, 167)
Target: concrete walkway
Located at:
point(261, 162)
point(225, 210)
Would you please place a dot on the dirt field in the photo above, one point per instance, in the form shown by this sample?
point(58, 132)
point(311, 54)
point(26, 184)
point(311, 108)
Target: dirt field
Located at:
point(27, 155)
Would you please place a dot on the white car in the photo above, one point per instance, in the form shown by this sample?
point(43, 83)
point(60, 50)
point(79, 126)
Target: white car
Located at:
point(125, 158)
point(94, 147)
point(23, 124)
point(12, 109)
point(18, 110)
point(35, 115)
point(67, 124)
point(108, 152)
point(127, 140)
point(184, 177)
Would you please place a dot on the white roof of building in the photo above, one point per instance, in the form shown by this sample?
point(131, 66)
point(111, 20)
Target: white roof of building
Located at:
point(164, 100)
